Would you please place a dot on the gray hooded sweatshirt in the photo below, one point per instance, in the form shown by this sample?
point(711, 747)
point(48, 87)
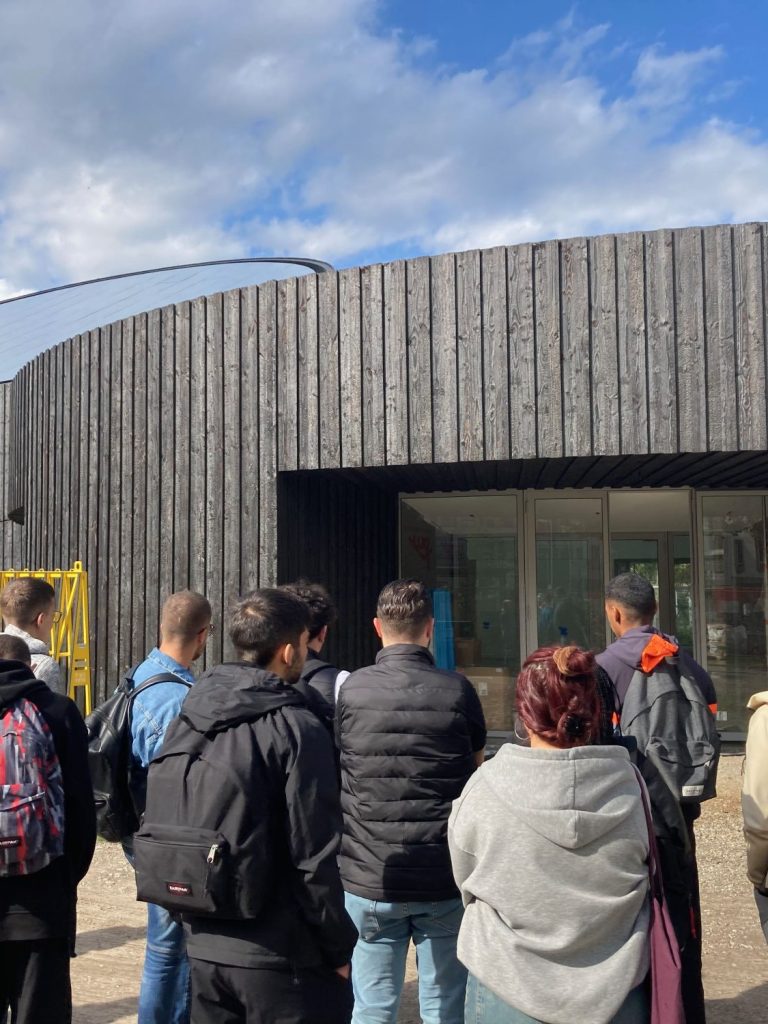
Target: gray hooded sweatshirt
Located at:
point(549, 849)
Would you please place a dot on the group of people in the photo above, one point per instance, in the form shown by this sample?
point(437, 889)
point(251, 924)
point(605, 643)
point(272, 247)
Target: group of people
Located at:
point(346, 816)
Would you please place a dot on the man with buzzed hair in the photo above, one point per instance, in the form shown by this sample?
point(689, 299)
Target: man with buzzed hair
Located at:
point(28, 607)
point(185, 625)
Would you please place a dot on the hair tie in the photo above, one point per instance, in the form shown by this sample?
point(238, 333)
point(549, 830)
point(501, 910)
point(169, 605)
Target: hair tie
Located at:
point(561, 657)
point(573, 726)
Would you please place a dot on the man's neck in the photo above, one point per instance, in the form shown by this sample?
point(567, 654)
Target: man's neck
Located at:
point(314, 647)
point(180, 653)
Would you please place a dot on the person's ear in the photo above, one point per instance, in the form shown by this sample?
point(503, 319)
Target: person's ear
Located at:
point(377, 628)
point(430, 629)
point(322, 635)
point(288, 654)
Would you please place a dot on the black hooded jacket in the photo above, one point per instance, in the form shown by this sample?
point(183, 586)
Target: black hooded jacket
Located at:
point(264, 728)
point(42, 905)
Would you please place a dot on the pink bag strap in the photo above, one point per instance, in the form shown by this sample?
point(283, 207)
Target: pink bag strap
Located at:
point(654, 866)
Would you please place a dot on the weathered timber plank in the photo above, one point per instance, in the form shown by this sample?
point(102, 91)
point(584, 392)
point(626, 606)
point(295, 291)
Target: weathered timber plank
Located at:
point(522, 353)
point(197, 447)
point(691, 354)
point(118, 456)
point(493, 265)
point(127, 518)
point(633, 360)
point(268, 421)
point(418, 327)
point(182, 456)
point(215, 495)
point(232, 455)
point(328, 368)
point(606, 413)
point(549, 399)
point(720, 341)
point(750, 336)
point(154, 539)
point(575, 346)
point(139, 509)
point(250, 467)
point(372, 356)
point(102, 611)
point(350, 363)
point(469, 342)
point(309, 376)
point(287, 374)
point(167, 445)
point(445, 401)
point(662, 370)
point(395, 364)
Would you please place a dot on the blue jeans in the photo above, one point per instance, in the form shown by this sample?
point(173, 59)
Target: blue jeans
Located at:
point(164, 995)
point(378, 963)
point(483, 1007)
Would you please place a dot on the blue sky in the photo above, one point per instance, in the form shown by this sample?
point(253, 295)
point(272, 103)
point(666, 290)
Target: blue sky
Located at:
point(135, 133)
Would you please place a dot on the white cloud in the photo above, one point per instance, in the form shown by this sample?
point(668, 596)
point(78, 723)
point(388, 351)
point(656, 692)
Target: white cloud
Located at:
point(136, 133)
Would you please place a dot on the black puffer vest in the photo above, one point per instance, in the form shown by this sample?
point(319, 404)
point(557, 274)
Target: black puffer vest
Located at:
point(407, 732)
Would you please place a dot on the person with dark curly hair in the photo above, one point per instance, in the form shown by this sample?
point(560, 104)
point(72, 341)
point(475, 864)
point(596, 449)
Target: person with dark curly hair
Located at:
point(549, 846)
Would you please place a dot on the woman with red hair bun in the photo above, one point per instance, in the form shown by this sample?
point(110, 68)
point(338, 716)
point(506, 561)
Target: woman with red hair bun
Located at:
point(549, 846)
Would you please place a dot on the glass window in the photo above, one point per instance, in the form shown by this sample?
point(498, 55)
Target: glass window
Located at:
point(569, 572)
point(464, 547)
point(734, 601)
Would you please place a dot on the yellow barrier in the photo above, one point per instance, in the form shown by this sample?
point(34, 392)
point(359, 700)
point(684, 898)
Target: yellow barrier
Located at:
point(69, 636)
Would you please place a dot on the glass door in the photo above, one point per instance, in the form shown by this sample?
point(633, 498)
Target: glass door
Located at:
point(567, 554)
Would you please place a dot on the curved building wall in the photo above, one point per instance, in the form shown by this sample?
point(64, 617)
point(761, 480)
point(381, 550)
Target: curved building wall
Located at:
point(150, 448)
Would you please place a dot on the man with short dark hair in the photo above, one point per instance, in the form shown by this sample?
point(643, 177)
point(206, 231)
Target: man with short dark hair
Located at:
point(630, 606)
point(28, 607)
point(185, 625)
point(13, 648)
point(289, 964)
point(318, 674)
point(409, 735)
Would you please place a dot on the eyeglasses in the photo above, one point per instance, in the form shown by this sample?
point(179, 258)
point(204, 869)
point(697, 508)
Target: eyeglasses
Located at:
point(210, 627)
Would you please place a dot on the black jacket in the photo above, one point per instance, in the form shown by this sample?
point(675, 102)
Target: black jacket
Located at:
point(250, 714)
point(407, 734)
point(42, 905)
point(321, 676)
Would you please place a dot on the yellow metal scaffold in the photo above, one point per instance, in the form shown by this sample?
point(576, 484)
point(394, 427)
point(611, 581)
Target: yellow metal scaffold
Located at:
point(69, 636)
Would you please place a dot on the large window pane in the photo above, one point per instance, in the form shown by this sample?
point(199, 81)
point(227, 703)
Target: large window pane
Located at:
point(569, 572)
point(465, 548)
point(734, 595)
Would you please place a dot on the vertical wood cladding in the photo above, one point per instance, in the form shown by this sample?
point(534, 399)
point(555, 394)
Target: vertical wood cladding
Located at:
point(150, 449)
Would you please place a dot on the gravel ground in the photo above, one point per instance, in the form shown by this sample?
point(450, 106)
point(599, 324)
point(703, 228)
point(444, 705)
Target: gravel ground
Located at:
point(106, 973)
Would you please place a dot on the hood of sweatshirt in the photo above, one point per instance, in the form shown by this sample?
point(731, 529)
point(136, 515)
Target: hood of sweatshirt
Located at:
point(235, 692)
point(643, 647)
point(568, 797)
point(758, 700)
point(35, 646)
point(17, 680)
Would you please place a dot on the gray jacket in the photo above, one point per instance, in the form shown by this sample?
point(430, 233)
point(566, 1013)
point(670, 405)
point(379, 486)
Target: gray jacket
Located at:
point(43, 665)
point(549, 849)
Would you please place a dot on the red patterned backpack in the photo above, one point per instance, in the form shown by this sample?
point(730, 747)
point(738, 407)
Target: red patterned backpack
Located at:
point(31, 791)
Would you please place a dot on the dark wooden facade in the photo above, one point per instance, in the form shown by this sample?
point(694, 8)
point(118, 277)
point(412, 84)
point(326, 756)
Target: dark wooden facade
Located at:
point(151, 449)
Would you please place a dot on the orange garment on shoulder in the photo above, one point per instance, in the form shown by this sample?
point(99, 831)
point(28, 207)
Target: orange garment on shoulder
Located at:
point(656, 650)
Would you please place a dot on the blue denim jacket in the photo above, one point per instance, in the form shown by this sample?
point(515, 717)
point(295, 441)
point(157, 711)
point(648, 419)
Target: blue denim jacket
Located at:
point(155, 709)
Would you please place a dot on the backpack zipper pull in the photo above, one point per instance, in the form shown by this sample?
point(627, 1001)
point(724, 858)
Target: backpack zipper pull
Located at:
point(213, 854)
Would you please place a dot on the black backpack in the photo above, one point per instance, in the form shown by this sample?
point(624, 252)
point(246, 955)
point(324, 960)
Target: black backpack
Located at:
point(667, 714)
point(117, 782)
point(208, 833)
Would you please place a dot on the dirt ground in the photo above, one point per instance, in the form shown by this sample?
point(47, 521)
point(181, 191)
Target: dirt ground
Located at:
point(110, 944)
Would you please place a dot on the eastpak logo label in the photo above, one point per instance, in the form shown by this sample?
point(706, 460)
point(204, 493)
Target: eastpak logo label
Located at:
point(178, 889)
point(9, 842)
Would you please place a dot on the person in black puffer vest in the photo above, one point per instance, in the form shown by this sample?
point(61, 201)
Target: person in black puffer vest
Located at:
point(409, 736)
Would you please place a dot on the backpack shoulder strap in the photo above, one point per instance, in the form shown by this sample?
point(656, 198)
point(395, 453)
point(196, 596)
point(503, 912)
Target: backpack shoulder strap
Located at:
point(161, 677)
